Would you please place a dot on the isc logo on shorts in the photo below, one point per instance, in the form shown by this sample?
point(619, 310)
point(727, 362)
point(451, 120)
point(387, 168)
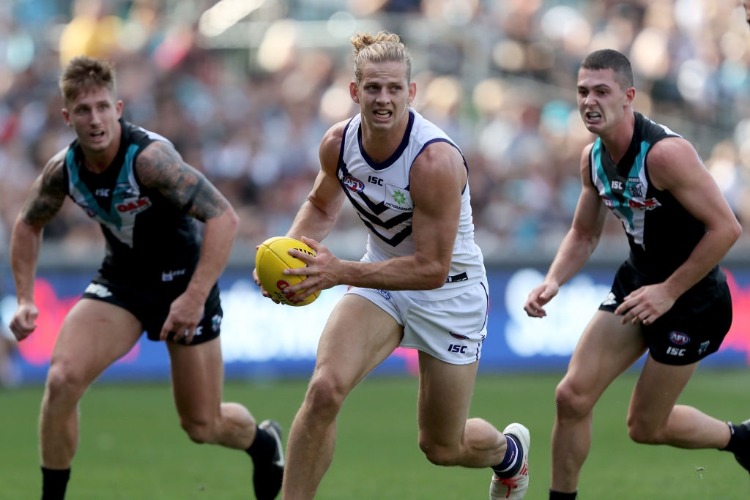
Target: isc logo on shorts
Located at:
point(675, 351)
point(457, 348)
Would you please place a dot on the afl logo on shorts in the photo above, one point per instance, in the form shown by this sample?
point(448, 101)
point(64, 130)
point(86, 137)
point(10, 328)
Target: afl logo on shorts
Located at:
point(678, 338)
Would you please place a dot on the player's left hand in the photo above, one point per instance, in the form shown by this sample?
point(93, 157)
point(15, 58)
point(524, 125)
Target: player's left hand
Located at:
point(539, 297)
point(645, 305)
point(184, 315)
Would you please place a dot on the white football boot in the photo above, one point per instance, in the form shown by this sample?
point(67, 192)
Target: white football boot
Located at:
point(514, 488)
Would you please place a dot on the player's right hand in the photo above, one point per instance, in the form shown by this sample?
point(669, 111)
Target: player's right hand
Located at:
point(24, 321)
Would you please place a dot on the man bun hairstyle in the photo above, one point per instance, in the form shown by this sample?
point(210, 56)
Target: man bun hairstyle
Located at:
point(382, 47)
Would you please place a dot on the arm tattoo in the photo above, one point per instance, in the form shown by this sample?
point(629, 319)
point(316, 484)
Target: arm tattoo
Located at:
point(47, 194)
point(160, 167)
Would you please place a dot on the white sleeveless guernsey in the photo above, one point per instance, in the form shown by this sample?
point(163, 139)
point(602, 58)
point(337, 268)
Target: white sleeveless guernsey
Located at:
point(380, 193)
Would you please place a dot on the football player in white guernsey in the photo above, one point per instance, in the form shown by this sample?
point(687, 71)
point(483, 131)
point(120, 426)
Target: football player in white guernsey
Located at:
point(669, 300)
point(158, 275)
point(421, 283)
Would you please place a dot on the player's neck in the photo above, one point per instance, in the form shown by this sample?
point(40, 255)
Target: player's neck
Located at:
point(617, 140)
point(380, 144)
point(99, 161)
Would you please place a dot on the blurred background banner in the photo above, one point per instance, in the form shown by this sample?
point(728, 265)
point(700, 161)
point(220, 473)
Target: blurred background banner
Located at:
point(246, 89)
point(261, 339)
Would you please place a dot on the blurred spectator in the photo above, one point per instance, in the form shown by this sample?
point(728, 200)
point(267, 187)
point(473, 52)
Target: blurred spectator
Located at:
point(93, 30)
point(246, 90)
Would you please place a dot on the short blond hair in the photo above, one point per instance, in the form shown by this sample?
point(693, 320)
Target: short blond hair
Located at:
point(382, 47)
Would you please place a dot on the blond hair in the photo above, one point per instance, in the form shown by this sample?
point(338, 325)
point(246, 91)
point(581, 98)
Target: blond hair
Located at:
point(83, 74)
point(383, 47)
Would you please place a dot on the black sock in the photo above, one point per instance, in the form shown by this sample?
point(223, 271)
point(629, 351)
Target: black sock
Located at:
point(740, 435)
point(558, 495)
point(263, 445)
point(54, 483)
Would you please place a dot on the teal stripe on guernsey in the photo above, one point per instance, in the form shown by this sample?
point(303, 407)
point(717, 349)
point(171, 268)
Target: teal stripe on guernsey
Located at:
point(640, 160)
point(130, 161)
point(599, 166)
point(619, 205)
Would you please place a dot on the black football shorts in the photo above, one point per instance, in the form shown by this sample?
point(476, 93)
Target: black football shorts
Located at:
point(692, 329)
point(151, 306)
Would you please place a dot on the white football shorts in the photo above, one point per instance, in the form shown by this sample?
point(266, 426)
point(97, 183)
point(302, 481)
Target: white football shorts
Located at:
point(450, 329)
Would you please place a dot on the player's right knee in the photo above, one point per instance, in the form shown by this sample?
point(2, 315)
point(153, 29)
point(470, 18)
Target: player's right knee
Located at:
point(642, 431)
point(438, 454)
point(199, 432)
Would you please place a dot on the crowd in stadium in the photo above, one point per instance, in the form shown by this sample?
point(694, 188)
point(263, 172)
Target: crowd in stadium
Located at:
point(247, 101)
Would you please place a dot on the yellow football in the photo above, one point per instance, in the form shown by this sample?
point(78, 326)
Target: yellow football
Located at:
point(271, 259)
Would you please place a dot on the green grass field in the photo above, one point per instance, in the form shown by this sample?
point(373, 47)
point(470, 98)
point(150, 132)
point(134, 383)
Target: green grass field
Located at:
point(131, 446)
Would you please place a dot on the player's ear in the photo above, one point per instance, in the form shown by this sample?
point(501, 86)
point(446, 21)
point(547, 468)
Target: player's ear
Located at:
point(630, 94)
point(354, 91)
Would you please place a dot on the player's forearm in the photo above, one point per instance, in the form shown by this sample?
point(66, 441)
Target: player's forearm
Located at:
point(218, 238)
point(572, 255)
point(311, 222)
point(400, 273)
point(712, 248)
point(24, 253)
